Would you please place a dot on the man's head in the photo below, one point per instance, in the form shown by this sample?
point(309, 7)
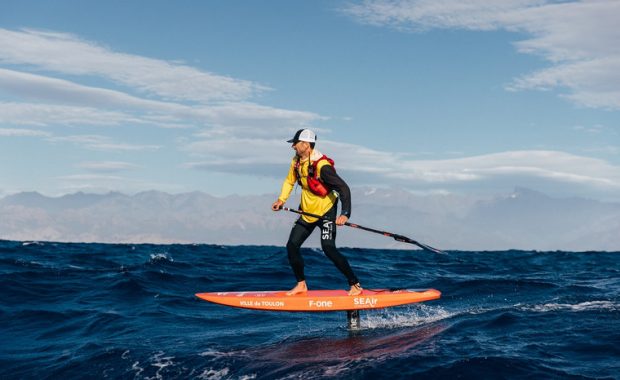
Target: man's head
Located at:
point(303, 135)
point(303, 141)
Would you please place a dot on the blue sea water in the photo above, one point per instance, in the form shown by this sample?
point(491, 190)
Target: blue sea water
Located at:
point(129, 312)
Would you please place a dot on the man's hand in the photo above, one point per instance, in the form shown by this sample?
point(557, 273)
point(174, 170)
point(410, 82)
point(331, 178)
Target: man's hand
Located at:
point(277, 205)
point(341, 220)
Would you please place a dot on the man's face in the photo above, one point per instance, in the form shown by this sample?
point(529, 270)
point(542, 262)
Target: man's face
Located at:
point(301, 147)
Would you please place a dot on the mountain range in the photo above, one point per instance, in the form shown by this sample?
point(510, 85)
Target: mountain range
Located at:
point(523, 219)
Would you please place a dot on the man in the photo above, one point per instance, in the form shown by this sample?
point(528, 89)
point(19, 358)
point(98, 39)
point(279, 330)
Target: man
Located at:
point(311, 169)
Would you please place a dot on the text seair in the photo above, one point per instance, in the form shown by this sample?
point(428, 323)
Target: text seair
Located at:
point(365, 301)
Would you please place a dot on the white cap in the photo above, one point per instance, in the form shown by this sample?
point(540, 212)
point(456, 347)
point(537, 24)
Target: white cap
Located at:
point(303, 135)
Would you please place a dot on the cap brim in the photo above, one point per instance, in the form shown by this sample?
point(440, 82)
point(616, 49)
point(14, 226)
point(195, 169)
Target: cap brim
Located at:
point(291, 141)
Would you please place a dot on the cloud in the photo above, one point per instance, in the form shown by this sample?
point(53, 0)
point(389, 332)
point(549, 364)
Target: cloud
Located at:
point(90, 177)
point(107, 166)
point(68, 54)
point(103, 143)
point(47, 81)
point(104, 183)
point(42, 115)
point(238, 151)
point(257, 119)
point(73, 103)
point(230, 134)
point(17, 132)
point(363, 166)
point(595, 83)
point(548, 165)
point(60, 91)
point(151, 92)
point(422, 15)
point(553, 166)
point(578, 38)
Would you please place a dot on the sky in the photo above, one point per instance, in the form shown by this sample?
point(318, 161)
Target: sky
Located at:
point(432, 96)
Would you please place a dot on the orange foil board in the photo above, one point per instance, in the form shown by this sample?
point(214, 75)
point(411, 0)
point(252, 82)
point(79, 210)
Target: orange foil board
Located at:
point(320, 300)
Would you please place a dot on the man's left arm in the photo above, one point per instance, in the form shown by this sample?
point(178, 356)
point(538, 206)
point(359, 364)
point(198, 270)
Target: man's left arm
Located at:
point(333, 181)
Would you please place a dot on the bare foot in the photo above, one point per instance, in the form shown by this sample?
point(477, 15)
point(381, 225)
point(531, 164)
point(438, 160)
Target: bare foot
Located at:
point(356, 290)
point(301, 287)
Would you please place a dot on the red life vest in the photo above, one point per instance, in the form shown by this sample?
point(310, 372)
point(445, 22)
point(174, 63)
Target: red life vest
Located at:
point(315, 184)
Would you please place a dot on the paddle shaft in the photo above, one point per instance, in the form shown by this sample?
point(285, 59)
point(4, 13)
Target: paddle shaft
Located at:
point(396, 237)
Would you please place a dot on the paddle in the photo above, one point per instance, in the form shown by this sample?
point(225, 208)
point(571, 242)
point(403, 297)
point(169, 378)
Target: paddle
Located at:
point(396, 237)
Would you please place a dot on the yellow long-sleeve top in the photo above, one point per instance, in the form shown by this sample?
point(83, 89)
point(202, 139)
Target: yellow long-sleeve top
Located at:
point(310, 202)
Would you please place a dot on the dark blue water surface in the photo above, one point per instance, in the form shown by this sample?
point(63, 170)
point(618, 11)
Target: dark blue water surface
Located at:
point(129, 311)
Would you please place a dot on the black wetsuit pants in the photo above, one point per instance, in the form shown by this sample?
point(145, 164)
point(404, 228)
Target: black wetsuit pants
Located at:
point(302, 230)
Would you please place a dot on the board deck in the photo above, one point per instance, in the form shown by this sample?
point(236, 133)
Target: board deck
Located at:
point(320, 300)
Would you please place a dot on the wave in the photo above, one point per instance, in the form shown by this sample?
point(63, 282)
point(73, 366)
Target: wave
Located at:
point(161, 257)
point(407, 316)
point(129, 311)
point(579, 307)
point(27, 243)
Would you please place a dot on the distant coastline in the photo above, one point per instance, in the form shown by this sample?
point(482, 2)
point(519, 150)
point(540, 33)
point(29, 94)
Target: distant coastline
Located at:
point(522, 220)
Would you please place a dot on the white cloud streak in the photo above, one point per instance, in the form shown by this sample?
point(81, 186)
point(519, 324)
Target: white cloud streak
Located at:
point(578, 38)
point(18, 132)
point(107, 166)
point(60, 91)
point(42, 115)
point(103, 143)
point(104, 183)
point(548, 165)
point(69, 103)
point(422, 15)
point(152, 92)
point(67, 53)
point(529, 166)
point(90, 177)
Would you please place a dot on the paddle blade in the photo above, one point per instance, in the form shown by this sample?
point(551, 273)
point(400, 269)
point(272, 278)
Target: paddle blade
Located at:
point(425, 247)
point(431, 249)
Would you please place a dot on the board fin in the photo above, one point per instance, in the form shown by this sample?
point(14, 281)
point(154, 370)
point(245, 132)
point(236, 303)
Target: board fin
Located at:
point(353, 319)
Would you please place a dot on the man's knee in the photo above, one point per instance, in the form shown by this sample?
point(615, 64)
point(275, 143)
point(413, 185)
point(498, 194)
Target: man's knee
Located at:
point(329, 247)
point(292, 246)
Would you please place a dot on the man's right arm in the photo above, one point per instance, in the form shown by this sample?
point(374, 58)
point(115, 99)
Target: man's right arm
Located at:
point(287, 187)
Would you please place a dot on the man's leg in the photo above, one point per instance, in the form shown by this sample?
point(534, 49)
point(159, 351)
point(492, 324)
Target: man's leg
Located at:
point(299, 234)
point(328, 244)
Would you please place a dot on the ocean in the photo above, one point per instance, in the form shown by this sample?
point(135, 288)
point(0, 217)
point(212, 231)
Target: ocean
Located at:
point(124, 311)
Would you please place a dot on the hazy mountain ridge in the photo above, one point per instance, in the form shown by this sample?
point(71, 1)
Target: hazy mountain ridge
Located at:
point(524, 219)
